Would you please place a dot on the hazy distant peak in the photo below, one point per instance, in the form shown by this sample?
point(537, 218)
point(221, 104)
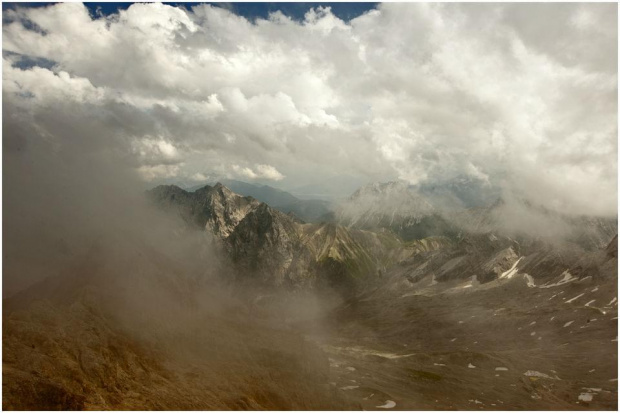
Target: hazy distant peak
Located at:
point(396, 197)
point(381, 188)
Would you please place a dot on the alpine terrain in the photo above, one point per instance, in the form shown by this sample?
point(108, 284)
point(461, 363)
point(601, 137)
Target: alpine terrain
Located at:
point(393, 304)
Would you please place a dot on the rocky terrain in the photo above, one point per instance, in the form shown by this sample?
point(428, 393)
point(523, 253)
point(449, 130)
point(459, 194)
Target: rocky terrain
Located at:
point(272, 248)
point(264, 311)
point(527, 340)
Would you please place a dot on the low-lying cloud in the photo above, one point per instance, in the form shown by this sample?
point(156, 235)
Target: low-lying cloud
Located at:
point(523, 96)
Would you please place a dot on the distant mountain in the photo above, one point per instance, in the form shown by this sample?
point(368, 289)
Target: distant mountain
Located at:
point(393, 206)
point(311, 210)
point(460, 192)
point(418, 212)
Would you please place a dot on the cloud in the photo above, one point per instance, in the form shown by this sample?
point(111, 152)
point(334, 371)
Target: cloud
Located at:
point(259, 172)
point(523, 96)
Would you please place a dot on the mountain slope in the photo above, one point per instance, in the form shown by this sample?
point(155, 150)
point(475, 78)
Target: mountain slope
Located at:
point(130, 328)
point(538, 337)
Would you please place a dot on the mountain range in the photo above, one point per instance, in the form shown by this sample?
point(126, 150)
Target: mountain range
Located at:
point(391, 302)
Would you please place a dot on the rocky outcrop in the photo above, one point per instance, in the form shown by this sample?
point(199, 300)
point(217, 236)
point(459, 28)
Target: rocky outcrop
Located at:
point(215, 208)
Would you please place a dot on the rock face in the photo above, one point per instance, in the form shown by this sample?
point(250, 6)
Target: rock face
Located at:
point(310, 210)
point(273, 248)
point(216, 208)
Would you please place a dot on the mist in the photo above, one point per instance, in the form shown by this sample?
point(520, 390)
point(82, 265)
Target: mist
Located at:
point(84, 244)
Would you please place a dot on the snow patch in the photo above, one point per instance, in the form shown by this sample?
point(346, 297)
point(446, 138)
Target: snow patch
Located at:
point(569, 323)
point(510, 272)
point(574, 298)
point(534, 373)
point(501, 369)
point(388, 405)
point(529, 280)
point(567, 278)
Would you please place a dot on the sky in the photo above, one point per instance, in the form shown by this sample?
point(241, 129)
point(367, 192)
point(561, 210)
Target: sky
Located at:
point(518, 96)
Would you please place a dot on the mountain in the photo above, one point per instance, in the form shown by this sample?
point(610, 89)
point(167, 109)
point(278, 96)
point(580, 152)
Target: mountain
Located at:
point(393, 206)
point(460, 192)
point(418, 212)
point(271, 248)
point(311, 210)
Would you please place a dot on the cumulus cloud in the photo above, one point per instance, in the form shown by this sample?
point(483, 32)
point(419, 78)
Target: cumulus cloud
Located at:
point(522, 96)
point(260, 172)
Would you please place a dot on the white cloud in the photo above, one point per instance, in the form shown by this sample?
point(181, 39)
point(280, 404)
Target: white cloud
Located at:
point(521, 95)
point(259, 172)
point(199, 177)
point(268, 172)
